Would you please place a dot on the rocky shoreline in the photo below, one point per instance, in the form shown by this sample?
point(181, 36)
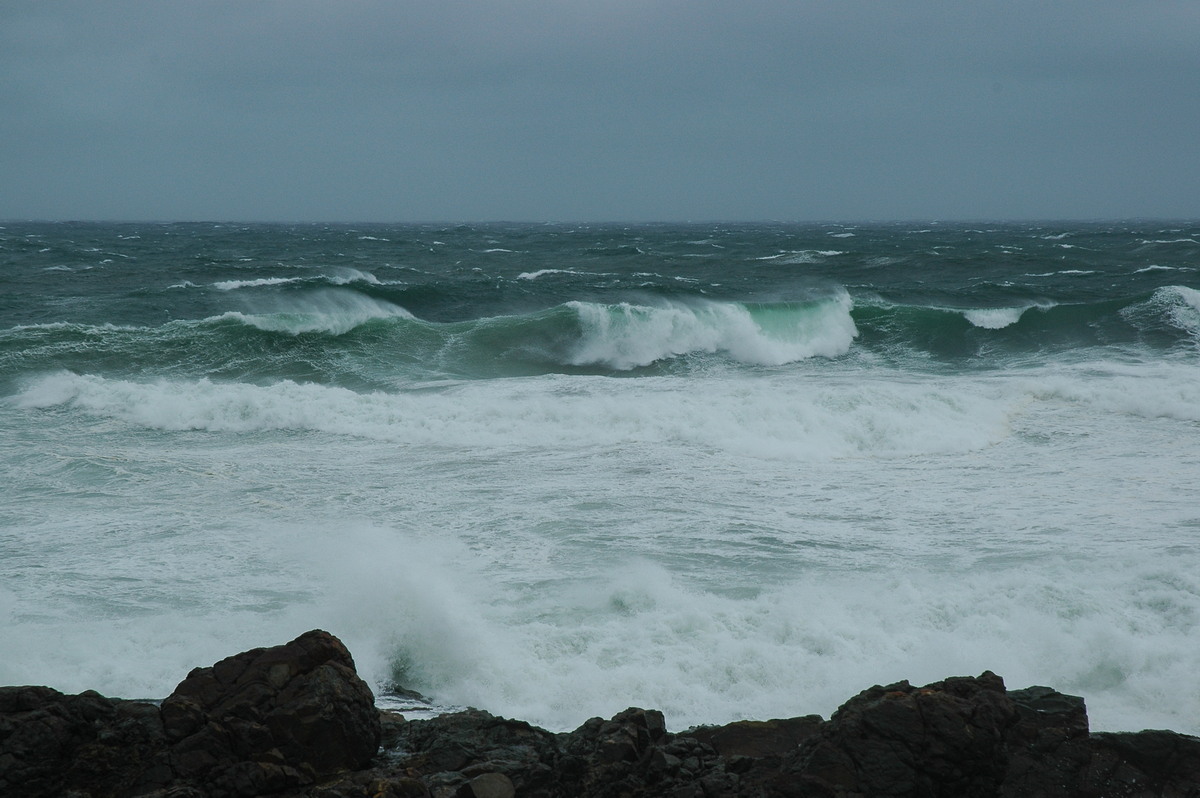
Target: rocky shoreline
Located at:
point(296, 720)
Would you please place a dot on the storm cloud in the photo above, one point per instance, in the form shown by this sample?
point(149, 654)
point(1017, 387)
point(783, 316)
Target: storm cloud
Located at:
point(364, 110)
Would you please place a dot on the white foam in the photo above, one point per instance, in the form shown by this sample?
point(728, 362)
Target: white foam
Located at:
point(1169, 391)
point(635, 636)
point(544, 272)
point(826, 422)
point(348, 276)
point(626, 336)
point(1190, 296)
point(233, 285)
point(994, 318)
point(799, 257)
point(332, 311)
point(340, 277)
point(1177, 304)
point(998, 318)
point(550, 548)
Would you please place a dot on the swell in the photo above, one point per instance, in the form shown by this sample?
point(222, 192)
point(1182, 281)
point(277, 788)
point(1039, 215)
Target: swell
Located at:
point(1162, 320)
point(354, 340)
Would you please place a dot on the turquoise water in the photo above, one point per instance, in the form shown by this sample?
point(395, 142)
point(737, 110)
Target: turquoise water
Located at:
point(553, 471)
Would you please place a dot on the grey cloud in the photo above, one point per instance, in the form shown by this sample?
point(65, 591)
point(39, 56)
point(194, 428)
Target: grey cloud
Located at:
point(599, 110)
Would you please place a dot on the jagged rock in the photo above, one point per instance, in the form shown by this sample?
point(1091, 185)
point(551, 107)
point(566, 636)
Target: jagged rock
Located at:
point(488, 785)
point(616, 757)
point(758, 738)
point(53, 744)
point(271, 719)
point(944, 739)
point(458, 747)
point(295, 721)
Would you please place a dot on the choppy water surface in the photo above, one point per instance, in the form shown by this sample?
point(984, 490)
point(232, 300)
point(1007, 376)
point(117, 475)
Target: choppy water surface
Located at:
point(552, 471)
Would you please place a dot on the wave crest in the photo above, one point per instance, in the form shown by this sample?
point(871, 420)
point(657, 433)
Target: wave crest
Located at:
point(334, 312)
point(626, 336)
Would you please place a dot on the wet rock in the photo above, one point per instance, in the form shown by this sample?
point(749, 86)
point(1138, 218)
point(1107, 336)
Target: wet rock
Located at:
point(758, 738)
point(488, 785)
point(53, 744)
point(944, 739)
point(272, 719)
point(295, 721)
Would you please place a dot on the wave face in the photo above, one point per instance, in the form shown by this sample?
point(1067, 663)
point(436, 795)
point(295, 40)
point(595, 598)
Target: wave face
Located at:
point(344, 337)
point(553, 471)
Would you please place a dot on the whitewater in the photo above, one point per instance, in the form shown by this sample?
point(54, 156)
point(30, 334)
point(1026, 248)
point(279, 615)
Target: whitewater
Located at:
point(552, 471)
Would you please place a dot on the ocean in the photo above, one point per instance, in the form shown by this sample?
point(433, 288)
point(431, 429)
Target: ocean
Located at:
point(723, 470)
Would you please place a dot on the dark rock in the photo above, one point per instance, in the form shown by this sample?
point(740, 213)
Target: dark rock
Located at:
point(758, 738)
point(295, 721)
point(478, 743)
point(53, 744)
point(488, 785)
point(272, 718)
point(944, 739)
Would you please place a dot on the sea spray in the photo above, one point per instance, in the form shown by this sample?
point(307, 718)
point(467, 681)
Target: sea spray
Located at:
point(626, 336)
point(765, 418)
point(716, 469)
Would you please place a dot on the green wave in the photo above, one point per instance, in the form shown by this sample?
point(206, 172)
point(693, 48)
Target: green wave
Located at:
point(376, 345)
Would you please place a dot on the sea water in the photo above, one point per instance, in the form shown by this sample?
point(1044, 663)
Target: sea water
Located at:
point(552, 471)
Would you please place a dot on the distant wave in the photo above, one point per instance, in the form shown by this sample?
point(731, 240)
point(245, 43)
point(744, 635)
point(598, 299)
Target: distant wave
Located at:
point(544, 272)
point(1077, 272)
point(1165, 318)
point(802, 256)
point(233, 285)
point(333, 312)
point(346, 277)
point(343, 336)
point(994, 318)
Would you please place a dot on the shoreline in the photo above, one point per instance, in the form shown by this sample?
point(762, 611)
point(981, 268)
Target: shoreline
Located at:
point(296, 721)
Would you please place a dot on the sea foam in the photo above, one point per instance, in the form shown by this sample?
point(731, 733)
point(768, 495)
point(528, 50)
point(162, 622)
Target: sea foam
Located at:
point(771, 419)
point(994, 318)
point(626, 336)
point(636, 636)
point(340, 277)
point(329, 311)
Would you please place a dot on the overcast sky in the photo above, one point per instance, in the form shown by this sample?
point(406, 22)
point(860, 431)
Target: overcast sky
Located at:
point(568, 110)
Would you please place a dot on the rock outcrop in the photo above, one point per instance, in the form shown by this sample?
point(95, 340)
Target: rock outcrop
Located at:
point(262, 722)
point(272, 718)
point(295, 721)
